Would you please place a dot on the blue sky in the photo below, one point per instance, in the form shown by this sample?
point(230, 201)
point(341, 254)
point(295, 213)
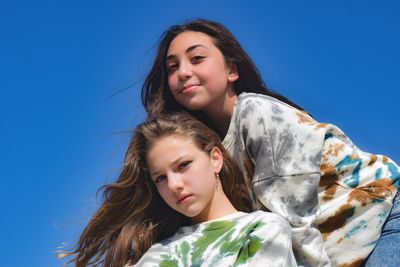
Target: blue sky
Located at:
point(64, 130)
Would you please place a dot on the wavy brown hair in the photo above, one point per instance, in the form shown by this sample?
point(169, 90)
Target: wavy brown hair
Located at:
point(156, 95)
point(132, 215)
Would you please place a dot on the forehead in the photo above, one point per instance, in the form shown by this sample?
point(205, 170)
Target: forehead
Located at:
point(172, 139)
point(187, 39)
point(170, 145)
point(170, 148)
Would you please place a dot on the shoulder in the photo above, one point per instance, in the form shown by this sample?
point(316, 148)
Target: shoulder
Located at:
point(262, 101)
point(183, 233)
point(251, 102)
point(268, 226)
point(250, 105)
point(268, 218)
point(256, 110)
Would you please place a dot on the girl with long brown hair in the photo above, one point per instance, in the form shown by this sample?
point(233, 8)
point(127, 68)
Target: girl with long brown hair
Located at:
point(337, 198)
point(180, 200)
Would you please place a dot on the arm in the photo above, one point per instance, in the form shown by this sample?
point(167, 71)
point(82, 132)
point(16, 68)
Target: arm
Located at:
point(356, 195)
point(285, 146)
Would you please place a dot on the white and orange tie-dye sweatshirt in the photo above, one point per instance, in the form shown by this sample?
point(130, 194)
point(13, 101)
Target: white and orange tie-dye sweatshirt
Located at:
point(335, 196)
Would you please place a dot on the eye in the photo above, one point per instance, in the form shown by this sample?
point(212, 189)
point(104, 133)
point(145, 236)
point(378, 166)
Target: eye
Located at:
point(197, 59)
point(172, 67)
point(184, 165)
point(160, 179)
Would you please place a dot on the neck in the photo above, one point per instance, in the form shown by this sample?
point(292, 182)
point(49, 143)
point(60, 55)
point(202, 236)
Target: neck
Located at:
point(220, 111)
point(219, 206)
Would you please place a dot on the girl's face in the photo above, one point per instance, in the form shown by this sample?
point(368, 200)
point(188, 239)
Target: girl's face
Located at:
point(185, 175)
point(198, 75)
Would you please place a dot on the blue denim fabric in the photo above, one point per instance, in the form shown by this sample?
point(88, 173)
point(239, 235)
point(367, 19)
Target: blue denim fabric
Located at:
point(387, 250)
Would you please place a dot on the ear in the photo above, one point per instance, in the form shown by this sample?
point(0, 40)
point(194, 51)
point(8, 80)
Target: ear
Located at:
point(217, 160)
point(233, 74)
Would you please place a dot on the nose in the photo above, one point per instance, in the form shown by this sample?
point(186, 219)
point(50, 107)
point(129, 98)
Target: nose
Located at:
point(185, 71)
point(175, 183)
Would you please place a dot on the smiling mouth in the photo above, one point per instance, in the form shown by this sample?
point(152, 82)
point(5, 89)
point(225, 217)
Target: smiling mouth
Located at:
point(187, 89)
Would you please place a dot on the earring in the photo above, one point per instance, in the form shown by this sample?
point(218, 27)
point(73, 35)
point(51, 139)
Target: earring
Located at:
point(216, 181)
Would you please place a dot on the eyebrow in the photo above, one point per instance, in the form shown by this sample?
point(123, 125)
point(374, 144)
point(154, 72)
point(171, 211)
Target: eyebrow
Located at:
point(190, 48)
point(156, 173)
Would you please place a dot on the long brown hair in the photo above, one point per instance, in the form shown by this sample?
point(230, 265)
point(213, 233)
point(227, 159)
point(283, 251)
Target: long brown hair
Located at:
point(156, 95)
point(133, 215)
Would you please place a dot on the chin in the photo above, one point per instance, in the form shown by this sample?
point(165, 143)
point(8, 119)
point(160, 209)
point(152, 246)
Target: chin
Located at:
point(192, 213)
point(192, 105)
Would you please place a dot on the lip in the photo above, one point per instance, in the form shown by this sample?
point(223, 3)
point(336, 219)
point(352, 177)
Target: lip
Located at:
point(188, 88)
point(182, 199)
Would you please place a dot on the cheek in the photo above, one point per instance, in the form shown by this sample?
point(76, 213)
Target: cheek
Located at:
point(163, 193)
point(206, 179)
point(216, 79)
point(172, 82)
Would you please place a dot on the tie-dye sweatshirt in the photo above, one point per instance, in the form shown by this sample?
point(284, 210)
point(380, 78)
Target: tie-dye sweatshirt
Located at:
point(239, 239)
point(335, 196)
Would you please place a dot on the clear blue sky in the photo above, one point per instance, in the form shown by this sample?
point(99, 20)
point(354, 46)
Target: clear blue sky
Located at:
point(63, 135)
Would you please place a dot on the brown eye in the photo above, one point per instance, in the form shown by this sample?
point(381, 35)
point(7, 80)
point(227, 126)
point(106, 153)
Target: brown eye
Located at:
point(184, 165)
point(171, 68)
point(197, 59)
point(159, 179)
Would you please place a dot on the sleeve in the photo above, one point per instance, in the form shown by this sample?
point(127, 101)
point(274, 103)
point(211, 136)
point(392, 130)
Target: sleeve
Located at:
point(285, 145)
point(276, 242)
point(356, 195)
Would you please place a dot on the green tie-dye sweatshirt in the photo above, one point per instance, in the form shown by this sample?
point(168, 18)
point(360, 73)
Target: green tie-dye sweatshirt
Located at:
point(239, 239)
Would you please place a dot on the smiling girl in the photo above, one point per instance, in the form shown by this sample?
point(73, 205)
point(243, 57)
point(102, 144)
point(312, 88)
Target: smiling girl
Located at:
point(336, 197)
point(179, 202)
